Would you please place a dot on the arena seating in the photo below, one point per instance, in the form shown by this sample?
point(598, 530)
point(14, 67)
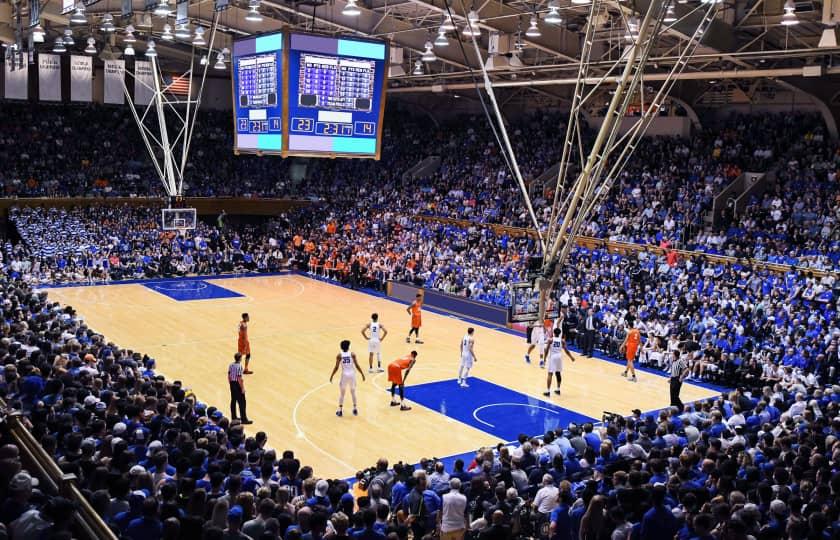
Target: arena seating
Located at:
point(758, 462)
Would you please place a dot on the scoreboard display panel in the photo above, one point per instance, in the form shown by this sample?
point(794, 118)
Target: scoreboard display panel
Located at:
point(258, 94)
point(335, 96)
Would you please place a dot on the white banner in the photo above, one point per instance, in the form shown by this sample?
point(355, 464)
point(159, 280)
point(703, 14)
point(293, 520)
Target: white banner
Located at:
point(114, 80)
point(17, 81)
point(49, 77)
point(81, 78)
point(143, 82)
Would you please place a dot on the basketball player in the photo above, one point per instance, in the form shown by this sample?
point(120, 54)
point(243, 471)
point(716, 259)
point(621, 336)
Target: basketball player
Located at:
point(375, 334)
point(467, 357)
point(349, 366)
point(244, 346)
point(555, 360)
point(630, 347)
point(536, 339)
point(397, 378)
point(414, 310)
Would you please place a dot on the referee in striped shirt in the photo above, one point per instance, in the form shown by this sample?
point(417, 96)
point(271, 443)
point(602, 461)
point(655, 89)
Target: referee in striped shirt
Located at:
point(237, 389)
point(679, 371)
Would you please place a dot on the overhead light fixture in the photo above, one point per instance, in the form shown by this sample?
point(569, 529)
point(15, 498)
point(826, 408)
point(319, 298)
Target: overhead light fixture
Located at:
point(203, 60)
point(580, 2)
point(553, 16)
point(38, 34)
point(163, 9)
point(129, 50)
point(351, 9)
point(670, 15)
point(91, 46)
point(182, 32)
point(471, 30)
point(418, 68)
point(472, 17)
point(515, 61)
point(533, 28)
point(220, 62)
point(428, 55)
point(199, 36)
point(254, 15)
point(78, 16)
point(150, 48)
point(828, 38)
point(440, 40)
point(167, 33)
point(129, 34)
point(68, 37)
point(59, 47)
point(789, 18)
point(447, 24)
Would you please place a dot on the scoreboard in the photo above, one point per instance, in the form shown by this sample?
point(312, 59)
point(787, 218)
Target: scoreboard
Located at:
point(309, 95)
point(335, 95)
point(257, 94)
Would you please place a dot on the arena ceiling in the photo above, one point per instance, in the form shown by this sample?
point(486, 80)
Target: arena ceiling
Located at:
point(746, 40)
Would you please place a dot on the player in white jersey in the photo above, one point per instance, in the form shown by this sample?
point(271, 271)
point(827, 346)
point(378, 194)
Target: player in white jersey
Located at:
point(467, 357)
point(536, 340)
point(554, 352)
point(375, 334)
point(346, 360)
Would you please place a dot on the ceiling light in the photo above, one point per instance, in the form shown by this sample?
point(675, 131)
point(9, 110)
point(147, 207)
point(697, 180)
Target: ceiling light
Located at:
point(220, 61)
point(129, 34)
point(150, 48)
point(471, 30)
point(789, 18)
point(199, 36)
point(129, 50)
point(440, 40)
point(418, 68)
point(670, 16)
point(828, 38)
point(167, 33)
point(91, 46)
point(428, 54)
point(580, 2)
point(203, 60)
point(182, 32)
point(553, 16)
point(38, 34)
point(78, 16)
point(68, 37)
point(108, 23)
point(351, 9)
point(448, 25)
point(533, 28)
point(163, 9)
point(59, 46)
point(254, 14)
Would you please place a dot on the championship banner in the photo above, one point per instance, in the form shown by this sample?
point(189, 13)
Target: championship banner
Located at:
point(114, 81)
point(144, 82)
point(49, 77)
point(81, 78)
point(17, 80)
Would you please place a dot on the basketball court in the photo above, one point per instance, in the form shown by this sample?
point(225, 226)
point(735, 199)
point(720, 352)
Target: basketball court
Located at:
point(190, 327)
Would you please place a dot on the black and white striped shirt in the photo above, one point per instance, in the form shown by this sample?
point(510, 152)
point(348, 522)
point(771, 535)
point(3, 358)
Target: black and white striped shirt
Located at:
point(235, 372)
point(678, 366)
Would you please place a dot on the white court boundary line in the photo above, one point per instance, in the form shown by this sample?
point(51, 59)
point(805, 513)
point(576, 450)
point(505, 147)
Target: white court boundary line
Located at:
point(302, 435)
point(475, 411)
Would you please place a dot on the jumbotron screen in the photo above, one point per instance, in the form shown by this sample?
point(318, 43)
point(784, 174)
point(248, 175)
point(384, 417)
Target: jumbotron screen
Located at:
point(335, 96)
point(258, 94)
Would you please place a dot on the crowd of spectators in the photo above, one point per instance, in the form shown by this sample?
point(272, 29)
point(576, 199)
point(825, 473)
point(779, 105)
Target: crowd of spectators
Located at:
point(155, 462)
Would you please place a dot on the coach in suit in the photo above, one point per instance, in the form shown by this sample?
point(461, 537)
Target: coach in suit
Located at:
point(237, 389)
point(588, 334)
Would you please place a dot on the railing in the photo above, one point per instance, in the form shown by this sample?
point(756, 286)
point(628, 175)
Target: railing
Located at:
point(203, 205)
point(52, 480)
point(626, 248)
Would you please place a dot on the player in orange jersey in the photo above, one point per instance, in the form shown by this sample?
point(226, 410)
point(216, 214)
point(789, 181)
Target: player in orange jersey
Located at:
point(416, 320)
point(630, 347)
point(397, 378)
point(243, 346)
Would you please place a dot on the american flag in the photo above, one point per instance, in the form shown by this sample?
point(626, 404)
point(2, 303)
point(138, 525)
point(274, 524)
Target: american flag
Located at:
point(178, 85)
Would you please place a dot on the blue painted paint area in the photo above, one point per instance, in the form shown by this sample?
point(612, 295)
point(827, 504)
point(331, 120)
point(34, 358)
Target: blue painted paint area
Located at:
point(186, 290)
point(494, 409)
